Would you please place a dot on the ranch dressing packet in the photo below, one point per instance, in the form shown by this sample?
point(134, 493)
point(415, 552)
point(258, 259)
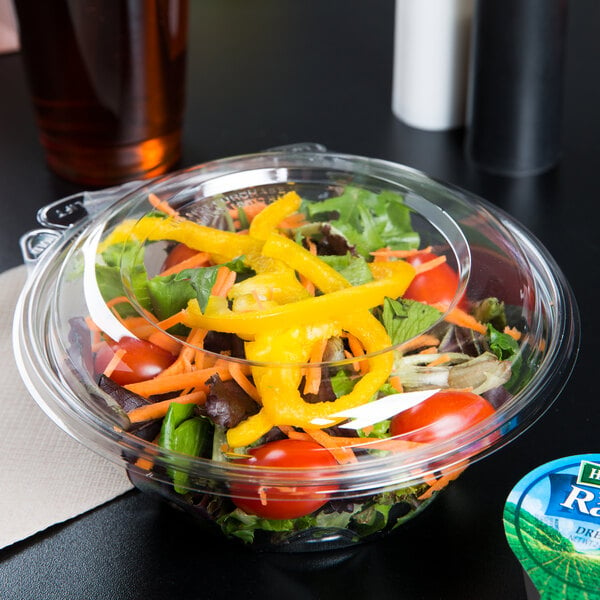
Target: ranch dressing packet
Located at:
point(552, 523)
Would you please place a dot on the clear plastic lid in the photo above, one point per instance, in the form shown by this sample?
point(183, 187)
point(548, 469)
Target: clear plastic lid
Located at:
point(296, 322)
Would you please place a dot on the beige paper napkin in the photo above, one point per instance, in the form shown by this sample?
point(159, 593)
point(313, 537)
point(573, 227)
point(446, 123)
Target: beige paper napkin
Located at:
point(46, 477)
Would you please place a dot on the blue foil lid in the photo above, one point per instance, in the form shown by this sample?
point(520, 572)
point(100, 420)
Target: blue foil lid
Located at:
point(552, 523)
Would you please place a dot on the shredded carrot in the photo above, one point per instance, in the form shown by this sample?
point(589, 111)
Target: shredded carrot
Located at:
point(250, 210)
point(92, 325)
point(113, 362)
point(313, 374)
point(438, 484)
point(187, 354)
point(96, 331)
point(421, 341)
point(175, 368)
point(357, 351)
point(96, 334)
point(293, 221)
point(286, 429)
point(346, 444)
point(234, 455)
point(388, 252)
point(457, 316)
point(144, 463)
point(199, 355)
point(169, 322)
point(158, 410)
point(262, 494)
point(196, 336)
point(226, 449)
point(181, 381)
point(224, 281)
point(220, 278)
point(388, 444)
point(118, 300)
point(238, 375)
point(355, 363)
point(164, 341)
point(200, 259)
point(138, 326)
point(342, 454)
point(381, 258)
point(440, 360)
point(193, 350)
point(513, 332)
point(341, 447)
point(396, 383)
point(162, 206)
point(429, 265)
point(464, 389)
point(430, 350)
point(429, 478)
point(307, 284)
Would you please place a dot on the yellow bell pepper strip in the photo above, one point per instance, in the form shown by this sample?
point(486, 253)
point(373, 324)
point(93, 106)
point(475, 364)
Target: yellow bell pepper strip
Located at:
point(266, 221)
point(120, 234)
point(251, 303)
point(382, 270)
point(326, 278)
point(225, 244)
point(278, 386)
point(327, 307)
point(279, 286)
point(263, 264)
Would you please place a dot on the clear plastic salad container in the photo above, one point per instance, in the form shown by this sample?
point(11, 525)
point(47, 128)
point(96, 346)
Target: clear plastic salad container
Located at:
point(299, 348)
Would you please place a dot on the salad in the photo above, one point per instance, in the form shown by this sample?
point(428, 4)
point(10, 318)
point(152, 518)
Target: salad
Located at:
point(299, 335)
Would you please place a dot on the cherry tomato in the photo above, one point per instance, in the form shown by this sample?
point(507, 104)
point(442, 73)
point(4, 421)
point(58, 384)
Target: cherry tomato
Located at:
point(436, 285)
point(179, 253)
point(142, 360)
point(441, 416)
point(283, 502)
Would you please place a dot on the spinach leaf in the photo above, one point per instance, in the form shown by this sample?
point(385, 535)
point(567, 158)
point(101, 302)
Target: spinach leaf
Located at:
point(502, 345)
point(170, 293)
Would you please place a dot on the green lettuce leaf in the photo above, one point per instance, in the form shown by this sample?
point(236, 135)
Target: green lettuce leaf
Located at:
point(404, 319)
point(502, 345)
point(368, 220)
point(341, 383)
point(169, 294)
point(242, 525)
point(354, 268)
point(129, 255)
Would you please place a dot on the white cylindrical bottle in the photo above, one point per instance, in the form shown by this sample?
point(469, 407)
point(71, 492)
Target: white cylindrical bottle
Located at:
point(431, 55)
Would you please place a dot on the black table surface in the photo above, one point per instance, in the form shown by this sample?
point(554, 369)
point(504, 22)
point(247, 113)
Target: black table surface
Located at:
point(273, 72)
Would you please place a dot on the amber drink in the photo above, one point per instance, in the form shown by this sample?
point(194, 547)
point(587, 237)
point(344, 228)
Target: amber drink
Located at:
point(108, 84)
